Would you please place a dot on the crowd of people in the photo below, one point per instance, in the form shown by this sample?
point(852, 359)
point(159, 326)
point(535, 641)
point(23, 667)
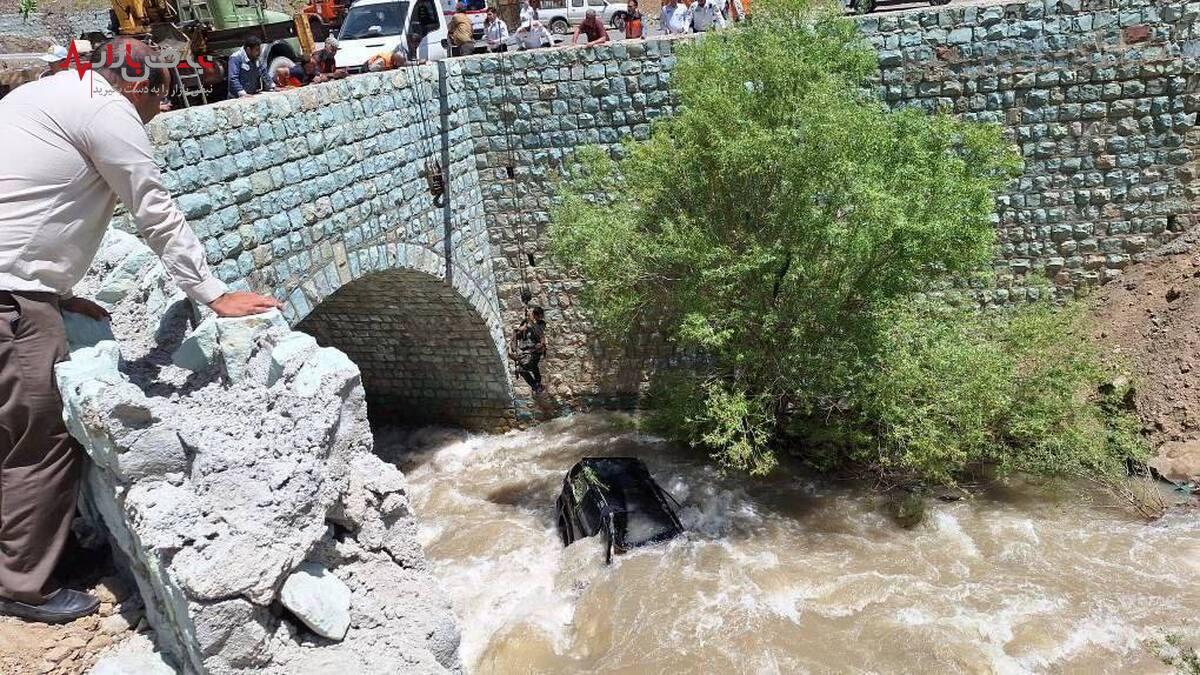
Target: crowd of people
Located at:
point(677, 17)
point(249, 75)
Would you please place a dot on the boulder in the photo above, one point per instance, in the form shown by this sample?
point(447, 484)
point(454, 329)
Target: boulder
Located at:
point(198, 350)
point(319, 599)
point(126, 277)
point(230, 342)
point(156, 453)
point(1178, 461)
point(323, 362)
point(238, 339)
point(293, 347)
point(83, 331)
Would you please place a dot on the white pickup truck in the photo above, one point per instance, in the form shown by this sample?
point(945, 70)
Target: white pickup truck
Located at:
point(561, 16)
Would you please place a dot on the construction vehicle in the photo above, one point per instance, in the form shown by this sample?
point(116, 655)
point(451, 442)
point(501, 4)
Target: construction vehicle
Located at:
point(209, 31)
point(329, 13)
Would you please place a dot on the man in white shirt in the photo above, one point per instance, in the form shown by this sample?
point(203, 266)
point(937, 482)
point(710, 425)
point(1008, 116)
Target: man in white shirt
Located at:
point(676, 18)
point(74, 146)
point(495, 32)
point(533, 35)
point(706, 16)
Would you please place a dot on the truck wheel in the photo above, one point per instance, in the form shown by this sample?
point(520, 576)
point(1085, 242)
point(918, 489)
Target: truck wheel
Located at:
point(560, 26)
point(618, 21)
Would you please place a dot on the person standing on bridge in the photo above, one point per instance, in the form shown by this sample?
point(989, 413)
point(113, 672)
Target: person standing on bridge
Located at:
point(676, 18)
point(462, 40)
point(247, 74)
point(76, 144)
point(633, 21)
point(495, 32)
point(592, 29)
point(706, 16)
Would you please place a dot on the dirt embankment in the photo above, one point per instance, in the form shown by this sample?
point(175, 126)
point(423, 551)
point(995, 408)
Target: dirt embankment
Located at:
point(1150, 320)
point(72, 649)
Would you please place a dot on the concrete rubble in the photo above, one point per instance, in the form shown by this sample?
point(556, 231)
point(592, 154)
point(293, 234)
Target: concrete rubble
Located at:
point(232, 465)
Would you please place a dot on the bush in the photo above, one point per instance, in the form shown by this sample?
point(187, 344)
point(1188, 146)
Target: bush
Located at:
point(1016, 391)
point(778, 227)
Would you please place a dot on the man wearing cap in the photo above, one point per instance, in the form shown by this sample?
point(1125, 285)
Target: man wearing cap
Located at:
point(325, 61)
point(74, 147)
point(533, 35)
point(56, 60)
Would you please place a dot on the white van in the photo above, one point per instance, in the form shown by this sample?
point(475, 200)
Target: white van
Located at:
point(374, 26)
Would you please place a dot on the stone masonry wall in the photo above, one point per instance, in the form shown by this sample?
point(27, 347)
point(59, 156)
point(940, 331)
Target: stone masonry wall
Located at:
point(298, 194)
point(1101, 97)
point(303, 192)
point(531, 111)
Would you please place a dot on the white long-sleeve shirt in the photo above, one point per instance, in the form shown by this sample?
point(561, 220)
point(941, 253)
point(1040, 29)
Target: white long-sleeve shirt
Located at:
point(676, 19)
point(495, 33)
point(72, 147)
point(705, 16)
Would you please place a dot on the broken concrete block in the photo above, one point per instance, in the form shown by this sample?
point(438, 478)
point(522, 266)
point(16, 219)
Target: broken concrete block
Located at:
point(88, 364)
point(319, 599)
point(155, 453)
point(83, 331)
point(238, 338)
point(198, 351)
point(126, 277)
point(293, 347)
point(222, 569)
point(321, 363)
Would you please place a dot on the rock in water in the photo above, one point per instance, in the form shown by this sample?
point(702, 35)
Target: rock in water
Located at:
point(319, 599)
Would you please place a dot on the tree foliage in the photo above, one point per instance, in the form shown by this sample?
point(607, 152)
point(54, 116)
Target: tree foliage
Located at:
point(774, 225)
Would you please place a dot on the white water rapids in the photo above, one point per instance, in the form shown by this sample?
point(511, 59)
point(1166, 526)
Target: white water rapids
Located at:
point(785, 575)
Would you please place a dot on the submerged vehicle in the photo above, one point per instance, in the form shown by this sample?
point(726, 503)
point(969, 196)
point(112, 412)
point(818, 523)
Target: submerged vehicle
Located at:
point(616, 497)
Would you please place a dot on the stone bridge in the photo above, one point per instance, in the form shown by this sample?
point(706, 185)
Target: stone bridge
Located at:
point(317, 195)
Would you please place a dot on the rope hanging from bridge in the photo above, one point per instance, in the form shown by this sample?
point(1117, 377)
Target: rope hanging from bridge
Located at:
point(510, 169)
point(433, 172)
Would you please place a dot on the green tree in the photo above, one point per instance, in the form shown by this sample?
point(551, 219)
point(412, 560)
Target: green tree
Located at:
point(773, 220)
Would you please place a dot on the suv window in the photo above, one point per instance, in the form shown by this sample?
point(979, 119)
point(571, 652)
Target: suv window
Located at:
point(389, 17)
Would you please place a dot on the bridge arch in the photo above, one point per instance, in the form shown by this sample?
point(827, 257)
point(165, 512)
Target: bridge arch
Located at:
point(429, 351)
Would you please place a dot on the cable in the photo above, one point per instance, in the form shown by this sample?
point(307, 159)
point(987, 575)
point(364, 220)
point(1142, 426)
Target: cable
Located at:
point(511, 172)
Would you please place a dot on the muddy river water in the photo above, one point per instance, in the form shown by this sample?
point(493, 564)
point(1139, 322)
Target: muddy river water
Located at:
point(785, 575)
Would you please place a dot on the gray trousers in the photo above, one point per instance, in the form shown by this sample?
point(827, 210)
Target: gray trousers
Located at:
point(40, 464)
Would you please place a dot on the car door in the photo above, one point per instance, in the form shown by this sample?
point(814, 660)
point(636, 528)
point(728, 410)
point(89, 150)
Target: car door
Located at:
point(429, 24)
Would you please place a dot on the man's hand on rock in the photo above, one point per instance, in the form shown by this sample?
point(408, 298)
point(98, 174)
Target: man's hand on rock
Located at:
point(85, 307)
point(243, 303)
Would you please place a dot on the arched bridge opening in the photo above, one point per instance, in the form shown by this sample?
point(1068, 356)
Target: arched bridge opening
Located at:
point(426, 355)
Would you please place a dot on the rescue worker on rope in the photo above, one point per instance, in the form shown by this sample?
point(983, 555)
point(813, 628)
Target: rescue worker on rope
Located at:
point(529, 341)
